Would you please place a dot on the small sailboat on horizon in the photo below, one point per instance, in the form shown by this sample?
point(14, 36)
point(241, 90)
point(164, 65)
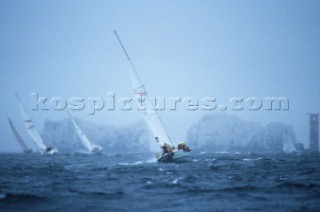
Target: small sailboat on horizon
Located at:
point(18, 138)
point(288, 145)
point(92, 148)
point(153, 120)
point(33, 132)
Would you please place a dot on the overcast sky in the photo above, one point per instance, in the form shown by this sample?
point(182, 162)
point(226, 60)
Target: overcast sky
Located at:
point(215, 48)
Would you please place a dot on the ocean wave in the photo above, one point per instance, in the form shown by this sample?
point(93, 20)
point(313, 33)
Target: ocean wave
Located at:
point(21, 197)
point(298, 185)
point(113, 194)
point(129, 182)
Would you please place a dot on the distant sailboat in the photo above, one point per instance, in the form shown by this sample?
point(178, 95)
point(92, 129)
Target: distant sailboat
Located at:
point(288, 146)
point(92, 148)
point(19, 139)
point(151, 116)
point(33, 132)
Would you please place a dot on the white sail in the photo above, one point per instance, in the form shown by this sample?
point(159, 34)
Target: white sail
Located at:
point(18, 137)
point(288, 145)
point(85, 141)
point(31, 129)
point(151, 116)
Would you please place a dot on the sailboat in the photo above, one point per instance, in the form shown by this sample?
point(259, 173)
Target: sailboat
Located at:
point(288, 146)
point(33, 132)
point(92, 148)
point(151, 116)
point(19, 139)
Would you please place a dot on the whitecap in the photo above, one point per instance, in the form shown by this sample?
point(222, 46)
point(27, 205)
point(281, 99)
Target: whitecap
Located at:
point(222, 152)
point(250, 159)
point(138, 163)
point(123, 164)
point(176, 180)
point(152, 160)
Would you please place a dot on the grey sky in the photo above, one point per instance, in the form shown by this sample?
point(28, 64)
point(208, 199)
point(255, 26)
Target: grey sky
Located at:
point(181, 48)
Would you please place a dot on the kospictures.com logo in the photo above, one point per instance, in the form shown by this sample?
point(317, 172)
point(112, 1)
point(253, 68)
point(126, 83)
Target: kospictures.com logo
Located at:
point(110, 102)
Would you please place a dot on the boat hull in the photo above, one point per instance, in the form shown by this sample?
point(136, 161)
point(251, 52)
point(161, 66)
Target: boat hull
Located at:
point(50, 151)
point(173, 157)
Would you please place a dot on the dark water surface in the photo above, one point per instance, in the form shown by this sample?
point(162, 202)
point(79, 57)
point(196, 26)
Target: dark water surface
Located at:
point(207, 182)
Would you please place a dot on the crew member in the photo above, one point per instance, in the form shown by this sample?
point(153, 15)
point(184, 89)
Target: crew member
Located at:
point(165, 149)
point(183, 146)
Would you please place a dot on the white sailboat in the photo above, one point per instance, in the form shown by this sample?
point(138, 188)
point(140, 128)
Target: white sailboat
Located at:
point(288, 146)
point(18, 137)
point(92, 148)
point(33, 132)
point(151, 116)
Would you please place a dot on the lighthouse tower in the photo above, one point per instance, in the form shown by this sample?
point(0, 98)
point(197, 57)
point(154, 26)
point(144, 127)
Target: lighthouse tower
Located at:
point(314, 132)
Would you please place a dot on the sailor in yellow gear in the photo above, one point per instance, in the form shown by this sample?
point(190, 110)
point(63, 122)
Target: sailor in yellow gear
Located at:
point(183, 146)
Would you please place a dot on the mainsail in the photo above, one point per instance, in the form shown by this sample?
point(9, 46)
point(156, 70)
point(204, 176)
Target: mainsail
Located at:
point(85, 141)
point(31, 129)
point(18, 137)
point(149, 112)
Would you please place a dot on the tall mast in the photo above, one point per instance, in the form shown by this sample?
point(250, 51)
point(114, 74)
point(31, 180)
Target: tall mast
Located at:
point(150, 115)
point(126, 53)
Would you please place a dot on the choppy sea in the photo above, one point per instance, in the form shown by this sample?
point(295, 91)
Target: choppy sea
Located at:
point(136, 182)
